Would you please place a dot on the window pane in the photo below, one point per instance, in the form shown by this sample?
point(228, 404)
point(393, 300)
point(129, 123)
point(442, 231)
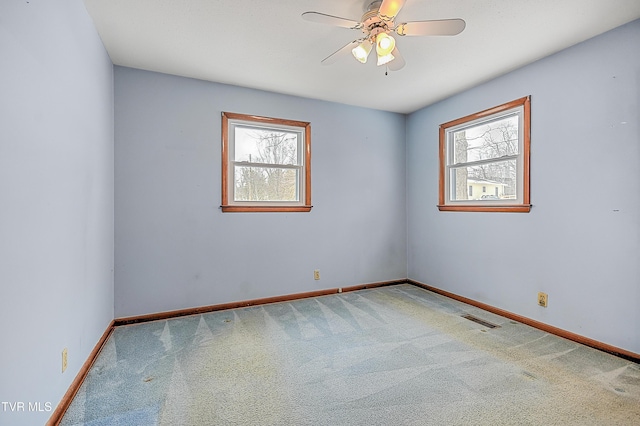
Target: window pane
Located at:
point(486, 140)
point(497, 179)
point(265, 184)
point(268, 146)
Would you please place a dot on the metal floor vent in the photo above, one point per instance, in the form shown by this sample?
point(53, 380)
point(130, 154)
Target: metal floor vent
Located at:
point(480, 321)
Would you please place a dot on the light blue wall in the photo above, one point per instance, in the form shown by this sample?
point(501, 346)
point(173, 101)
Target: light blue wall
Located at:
point(175, 248)
point(580, 243)
point(56, 199)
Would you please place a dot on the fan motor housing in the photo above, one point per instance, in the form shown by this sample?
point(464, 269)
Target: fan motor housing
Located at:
point(372, 24)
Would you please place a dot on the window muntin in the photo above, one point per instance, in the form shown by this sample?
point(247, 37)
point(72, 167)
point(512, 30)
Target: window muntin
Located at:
point(266, 164)
point(484, 160)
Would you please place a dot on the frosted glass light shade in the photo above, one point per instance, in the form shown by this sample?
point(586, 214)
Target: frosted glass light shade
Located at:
point(384, 44)
point(385, 59)
point(361, 51)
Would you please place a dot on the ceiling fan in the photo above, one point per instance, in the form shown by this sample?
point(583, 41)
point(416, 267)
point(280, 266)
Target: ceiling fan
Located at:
point(377, 24)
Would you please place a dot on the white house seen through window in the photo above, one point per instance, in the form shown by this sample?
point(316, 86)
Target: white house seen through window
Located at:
point(484, 160)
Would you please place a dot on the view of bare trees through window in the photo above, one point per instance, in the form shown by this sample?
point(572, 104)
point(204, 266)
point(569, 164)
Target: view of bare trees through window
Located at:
point(266, 166)
point(485, 160)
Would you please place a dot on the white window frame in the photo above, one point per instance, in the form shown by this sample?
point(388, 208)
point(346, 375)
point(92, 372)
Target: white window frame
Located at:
point(230, 121)
point(521, 109)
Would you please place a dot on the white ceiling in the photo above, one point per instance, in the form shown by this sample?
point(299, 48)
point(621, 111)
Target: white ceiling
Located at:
point(267, 45)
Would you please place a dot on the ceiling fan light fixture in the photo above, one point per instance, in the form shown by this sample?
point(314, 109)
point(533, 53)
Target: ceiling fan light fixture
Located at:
point(361, 51)
point(384, 44)
point(385, 59)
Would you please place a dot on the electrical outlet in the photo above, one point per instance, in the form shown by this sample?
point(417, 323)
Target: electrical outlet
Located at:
point(316, 274)
point(543, 298)
point(64, 359)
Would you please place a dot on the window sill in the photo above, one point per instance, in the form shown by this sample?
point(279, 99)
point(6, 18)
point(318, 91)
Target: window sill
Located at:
point(504, 208)
point(265, 209)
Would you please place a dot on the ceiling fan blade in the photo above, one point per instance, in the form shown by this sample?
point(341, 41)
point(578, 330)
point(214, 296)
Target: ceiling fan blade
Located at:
point(340, 53)
point(390, 8)
point(398, 61)
point(443, 27)
point(323, 18)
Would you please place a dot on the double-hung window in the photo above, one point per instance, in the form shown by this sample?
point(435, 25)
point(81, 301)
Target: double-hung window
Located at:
point(484, 160)
point(266, 164)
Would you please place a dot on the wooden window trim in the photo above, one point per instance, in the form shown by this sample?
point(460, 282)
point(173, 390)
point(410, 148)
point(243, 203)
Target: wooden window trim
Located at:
point(525, 207)
point(226, 207)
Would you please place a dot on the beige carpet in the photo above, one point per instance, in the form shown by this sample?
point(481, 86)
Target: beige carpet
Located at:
point(395, 355)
